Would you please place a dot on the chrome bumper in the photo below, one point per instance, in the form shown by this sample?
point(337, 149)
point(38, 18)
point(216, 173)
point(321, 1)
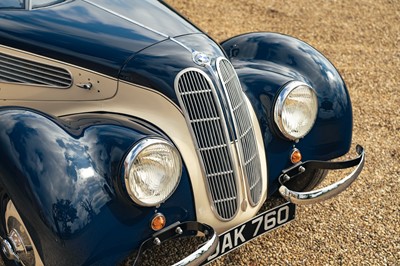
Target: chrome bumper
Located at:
point(183, 230)
point(325, 193)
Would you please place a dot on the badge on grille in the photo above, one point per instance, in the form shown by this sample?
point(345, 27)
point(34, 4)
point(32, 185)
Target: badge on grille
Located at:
point(201, 59)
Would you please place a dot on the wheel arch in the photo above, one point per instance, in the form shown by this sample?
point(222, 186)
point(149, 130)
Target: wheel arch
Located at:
point(265, 62)
point(63, 176)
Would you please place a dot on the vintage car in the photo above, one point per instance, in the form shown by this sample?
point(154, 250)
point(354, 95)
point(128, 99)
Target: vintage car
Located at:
point(123, 125)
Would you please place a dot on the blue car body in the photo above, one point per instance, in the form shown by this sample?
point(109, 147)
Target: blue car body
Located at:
point(63, 170)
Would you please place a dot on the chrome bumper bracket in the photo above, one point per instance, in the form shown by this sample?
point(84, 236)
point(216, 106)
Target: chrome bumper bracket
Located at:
point(324, 193)
point(181, 230)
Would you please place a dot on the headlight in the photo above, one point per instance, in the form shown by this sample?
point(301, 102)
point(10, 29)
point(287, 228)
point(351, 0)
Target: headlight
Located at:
point(152, 171)
point(296, 110)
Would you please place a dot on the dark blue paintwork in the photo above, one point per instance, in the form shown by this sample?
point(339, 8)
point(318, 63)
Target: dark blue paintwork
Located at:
point(157, 66)
point(264, 63)
point(267, 61)
point(82, 34)
point(155, 15)
point(68, 169)
point(70, 175)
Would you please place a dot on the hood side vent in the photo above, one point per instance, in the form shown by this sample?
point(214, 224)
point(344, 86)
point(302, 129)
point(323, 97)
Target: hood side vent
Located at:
point(27, 72)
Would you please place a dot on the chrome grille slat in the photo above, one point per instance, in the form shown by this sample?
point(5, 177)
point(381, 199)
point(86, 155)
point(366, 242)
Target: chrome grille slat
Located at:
point(248, 151)
point(197, 97)
point(212, 147)
point(18, 70)
point(204, 120)
point(202, 109)
point(222, 173)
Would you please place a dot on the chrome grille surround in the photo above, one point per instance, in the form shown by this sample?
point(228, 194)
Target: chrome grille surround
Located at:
point(244, 130)
point(203, 112)
point(21, 71)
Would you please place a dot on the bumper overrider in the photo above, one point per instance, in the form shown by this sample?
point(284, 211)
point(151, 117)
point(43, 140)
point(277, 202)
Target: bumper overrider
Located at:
point(216, 246)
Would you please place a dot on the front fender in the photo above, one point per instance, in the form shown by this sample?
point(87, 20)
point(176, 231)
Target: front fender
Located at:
point(267, 61)
point(63, 177)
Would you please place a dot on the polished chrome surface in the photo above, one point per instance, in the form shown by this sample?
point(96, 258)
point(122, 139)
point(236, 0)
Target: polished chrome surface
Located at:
point(199, 101)
point(126, 18)
point(204, 251)
point(179, 230)
point(8, 251)
point(18, 239)
point(201, 59)
point(186, 229)
point(327, 192)
point(278, 108)
point(85, 86)
point(27, 72)
point(244, 129)
point(157, 241)
point(130, 158)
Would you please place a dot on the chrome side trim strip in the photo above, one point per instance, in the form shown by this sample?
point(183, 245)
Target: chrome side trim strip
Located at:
point(127, 19)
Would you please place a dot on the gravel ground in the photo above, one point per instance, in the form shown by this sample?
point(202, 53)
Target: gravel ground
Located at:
point(362, 39)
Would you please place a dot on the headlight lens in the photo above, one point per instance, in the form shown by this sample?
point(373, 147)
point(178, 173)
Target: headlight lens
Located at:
point(296, 110)
point(152, 171)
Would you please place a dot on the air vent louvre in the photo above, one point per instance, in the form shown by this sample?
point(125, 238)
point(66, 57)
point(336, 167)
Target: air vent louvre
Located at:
point(18, 70)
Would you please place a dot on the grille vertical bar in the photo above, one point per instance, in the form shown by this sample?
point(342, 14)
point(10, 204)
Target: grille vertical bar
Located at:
point(197, 97)
point(248, 151)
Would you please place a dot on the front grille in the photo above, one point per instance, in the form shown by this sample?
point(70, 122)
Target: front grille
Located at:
point(248, 151)
point(18, 70)
point(197, 97)
point(216, 140)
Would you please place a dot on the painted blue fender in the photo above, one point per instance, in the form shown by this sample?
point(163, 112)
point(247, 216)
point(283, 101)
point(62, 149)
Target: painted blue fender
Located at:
point(267, 61)
point(64, 177)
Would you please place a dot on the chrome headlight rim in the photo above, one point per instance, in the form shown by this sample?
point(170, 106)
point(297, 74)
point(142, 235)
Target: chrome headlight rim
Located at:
point(130, 158)
point(286, 90)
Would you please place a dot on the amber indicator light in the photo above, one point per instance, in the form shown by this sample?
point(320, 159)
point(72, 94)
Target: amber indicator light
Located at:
point(295, 157)
point(158, 222)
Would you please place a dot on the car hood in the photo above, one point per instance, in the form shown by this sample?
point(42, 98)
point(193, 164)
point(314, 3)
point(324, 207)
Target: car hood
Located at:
point(98, 35)
point(154, 15)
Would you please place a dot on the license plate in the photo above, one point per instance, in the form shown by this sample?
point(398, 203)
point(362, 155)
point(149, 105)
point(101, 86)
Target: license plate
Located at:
point(260, 224)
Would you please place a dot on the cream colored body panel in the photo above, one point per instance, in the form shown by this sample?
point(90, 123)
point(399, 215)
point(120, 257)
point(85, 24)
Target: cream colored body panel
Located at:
point(149, 105)
point(103, 87)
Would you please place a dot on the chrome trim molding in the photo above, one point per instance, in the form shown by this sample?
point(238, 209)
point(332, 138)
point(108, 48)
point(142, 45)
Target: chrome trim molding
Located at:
point(204, 251)
point(127, 19)
point(130, 158)
point(140, 25)
point(244, 129)
point(278, 106)
point(21, 71)
point(203, 112)
point(185, 229)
